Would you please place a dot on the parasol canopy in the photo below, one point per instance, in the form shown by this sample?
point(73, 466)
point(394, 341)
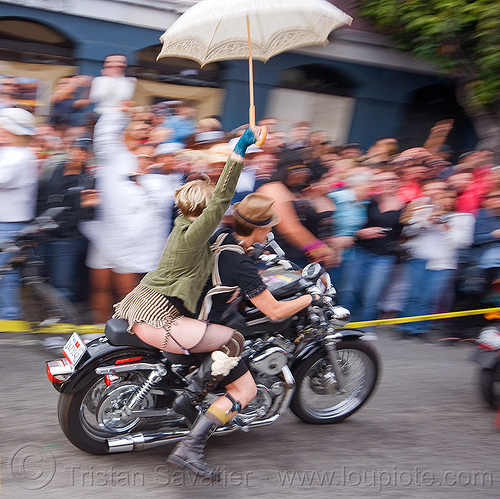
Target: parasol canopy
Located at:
point(217, 30)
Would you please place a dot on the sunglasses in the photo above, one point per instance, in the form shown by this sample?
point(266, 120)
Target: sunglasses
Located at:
point(189, 177)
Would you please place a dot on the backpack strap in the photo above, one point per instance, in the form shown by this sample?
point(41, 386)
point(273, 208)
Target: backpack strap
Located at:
point(217, 248)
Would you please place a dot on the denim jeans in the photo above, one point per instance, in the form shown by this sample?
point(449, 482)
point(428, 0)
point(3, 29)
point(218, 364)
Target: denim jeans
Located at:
point(65, 262)
point(426, 289)
point(10, 281)
point(339, 277)
point(367, 279)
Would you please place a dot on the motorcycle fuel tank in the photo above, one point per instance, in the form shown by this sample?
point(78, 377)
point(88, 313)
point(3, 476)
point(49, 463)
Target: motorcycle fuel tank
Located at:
point(282, 282)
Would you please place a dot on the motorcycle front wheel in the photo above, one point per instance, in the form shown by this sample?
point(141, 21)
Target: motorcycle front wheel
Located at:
point(44, 305)
point(317, 399)
point(95, 413)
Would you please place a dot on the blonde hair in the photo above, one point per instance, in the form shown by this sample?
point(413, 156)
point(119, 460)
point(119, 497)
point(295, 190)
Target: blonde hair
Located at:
point(193, 197)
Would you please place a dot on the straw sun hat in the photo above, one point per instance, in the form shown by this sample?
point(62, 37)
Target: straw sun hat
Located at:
point(256, 211)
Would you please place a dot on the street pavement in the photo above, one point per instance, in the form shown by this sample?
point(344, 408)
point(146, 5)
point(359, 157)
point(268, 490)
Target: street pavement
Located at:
point(424, 433)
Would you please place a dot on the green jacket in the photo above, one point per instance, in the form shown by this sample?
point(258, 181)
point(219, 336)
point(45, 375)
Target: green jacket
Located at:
point(187, 260)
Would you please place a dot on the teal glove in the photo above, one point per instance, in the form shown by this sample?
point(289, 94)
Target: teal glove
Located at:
point(247, 139)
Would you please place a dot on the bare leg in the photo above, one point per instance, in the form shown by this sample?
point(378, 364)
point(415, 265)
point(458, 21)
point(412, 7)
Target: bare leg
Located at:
point(124, 283)
point(101, 297)
point(242, 389)
point(188, 332)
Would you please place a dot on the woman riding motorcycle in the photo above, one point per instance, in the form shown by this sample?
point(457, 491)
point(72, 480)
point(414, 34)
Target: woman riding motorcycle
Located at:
point(234, 272)
point(160, 308)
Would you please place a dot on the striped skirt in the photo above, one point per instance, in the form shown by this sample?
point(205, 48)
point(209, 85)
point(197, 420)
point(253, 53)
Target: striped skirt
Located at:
point(143, 304)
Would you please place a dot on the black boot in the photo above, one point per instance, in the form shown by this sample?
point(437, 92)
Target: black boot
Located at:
point(201, 383)
point(189, 453)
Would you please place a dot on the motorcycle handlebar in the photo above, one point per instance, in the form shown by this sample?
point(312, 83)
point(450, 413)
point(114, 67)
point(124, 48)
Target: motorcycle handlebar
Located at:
point(42, 224)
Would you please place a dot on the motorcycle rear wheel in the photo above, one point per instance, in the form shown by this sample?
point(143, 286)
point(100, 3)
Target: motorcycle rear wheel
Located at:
point(91, 415)
point(317, 400)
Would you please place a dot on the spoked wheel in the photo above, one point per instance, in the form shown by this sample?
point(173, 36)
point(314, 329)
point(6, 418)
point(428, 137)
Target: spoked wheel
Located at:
point(97, 412)
point(317, 398)
point(490, 386)
point(43, 305)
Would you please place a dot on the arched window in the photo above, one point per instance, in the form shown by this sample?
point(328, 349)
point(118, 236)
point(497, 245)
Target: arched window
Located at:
point(175, 70)
point(428, 105)
point(315, 93)
point(32, 42)
point(318, 78)
point(177, 79)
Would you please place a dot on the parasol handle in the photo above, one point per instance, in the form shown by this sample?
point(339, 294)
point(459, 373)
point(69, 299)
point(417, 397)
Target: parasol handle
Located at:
point(251, 109)
point(251, 113)
point(263, 129)
point(262, 136)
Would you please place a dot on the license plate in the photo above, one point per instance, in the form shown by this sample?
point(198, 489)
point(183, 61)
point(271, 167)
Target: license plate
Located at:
point(74, 349)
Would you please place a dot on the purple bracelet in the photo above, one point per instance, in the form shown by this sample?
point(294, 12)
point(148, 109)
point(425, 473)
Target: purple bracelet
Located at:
point(313, 246)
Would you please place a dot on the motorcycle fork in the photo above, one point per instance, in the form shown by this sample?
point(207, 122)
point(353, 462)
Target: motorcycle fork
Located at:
point(330, 346)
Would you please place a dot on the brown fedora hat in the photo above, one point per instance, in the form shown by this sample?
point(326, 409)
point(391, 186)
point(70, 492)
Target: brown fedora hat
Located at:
point(255, 210)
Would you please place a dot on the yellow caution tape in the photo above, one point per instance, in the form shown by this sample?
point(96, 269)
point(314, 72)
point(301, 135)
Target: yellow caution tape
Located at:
point(417, 318)
point(22, 326)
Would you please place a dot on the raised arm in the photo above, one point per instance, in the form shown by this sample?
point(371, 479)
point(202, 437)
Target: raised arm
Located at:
point(290, 226)
point(204, 226)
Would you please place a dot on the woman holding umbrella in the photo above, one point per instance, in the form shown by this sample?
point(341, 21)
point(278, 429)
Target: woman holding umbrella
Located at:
point(186, 262)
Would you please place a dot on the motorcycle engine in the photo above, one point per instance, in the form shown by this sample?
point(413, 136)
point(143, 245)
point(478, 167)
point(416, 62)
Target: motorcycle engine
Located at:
point(268, 388)
point(270, 360)
point(266, 361)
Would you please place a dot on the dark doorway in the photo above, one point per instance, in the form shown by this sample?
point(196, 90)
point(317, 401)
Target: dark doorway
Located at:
point(429, 105)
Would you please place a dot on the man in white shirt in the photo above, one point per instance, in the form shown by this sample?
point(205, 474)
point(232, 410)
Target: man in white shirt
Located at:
point(112, 87)
point(18, 185)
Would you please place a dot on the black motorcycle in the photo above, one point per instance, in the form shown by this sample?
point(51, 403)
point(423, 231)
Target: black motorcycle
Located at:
point(42, 304)
point(116, 392)
point(487, 355)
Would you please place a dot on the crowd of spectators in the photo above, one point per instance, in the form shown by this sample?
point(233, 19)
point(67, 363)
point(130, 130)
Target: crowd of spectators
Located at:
point(401, 232)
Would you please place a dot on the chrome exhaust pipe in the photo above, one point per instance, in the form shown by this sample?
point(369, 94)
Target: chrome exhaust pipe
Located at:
point(144, 440)
point(148, 439)
point(264, 422)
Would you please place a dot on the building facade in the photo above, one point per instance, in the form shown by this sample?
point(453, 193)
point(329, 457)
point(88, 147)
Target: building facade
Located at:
point(357, 88)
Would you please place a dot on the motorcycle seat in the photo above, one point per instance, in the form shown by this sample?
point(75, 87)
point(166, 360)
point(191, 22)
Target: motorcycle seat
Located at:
point(117, 334)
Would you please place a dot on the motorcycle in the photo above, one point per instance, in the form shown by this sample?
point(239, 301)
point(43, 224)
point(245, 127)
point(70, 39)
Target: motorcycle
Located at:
point(116, 392)
point(487, 355)
point(42, 304)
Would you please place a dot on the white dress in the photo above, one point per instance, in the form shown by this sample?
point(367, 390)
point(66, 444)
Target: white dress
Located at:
point(106, 92)
point(133, 219)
